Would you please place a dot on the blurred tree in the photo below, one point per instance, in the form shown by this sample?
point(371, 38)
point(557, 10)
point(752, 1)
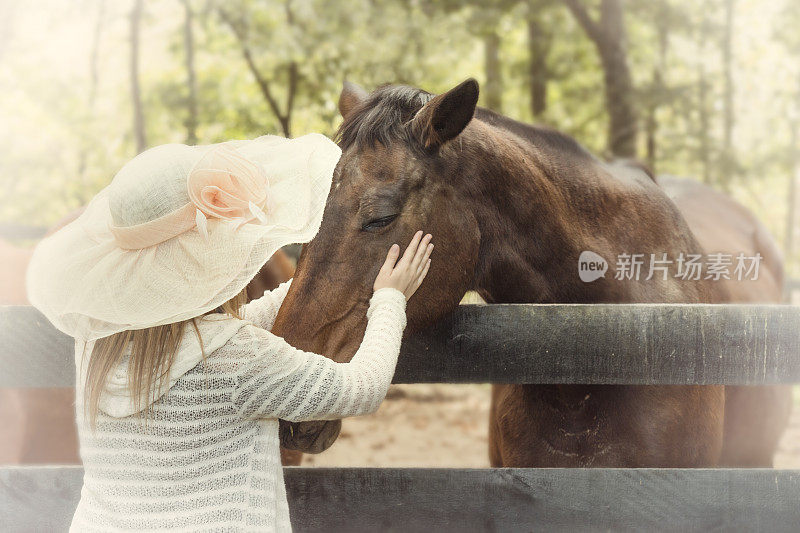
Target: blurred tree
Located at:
point(703, 132)
point(540, 41)
point(727, 164)
point(136, 97)
point(608, 34)
point(493, 89)
point(659, 20)
point(61, 90)
point(191, 75)
point(485, 21)
point(787, 35)
point(91, 99)
point(239, 23)
point(657, 90)
point(794, 175)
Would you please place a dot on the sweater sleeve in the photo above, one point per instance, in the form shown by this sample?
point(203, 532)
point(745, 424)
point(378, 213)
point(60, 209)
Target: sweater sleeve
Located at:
point(276, 380)
point(262, 311)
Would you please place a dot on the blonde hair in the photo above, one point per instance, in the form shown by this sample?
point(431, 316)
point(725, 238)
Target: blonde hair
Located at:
point(152, 354)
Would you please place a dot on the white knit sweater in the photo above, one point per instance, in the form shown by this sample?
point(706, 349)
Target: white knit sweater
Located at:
point(208, 459)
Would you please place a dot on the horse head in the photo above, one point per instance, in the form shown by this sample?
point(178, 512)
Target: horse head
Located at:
point(397, 174)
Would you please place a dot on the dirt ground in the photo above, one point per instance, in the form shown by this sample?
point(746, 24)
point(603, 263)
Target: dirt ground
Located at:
point(433, 425)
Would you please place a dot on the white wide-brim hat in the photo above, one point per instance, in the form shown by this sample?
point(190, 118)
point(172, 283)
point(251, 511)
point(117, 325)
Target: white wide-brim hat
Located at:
point(179, 231)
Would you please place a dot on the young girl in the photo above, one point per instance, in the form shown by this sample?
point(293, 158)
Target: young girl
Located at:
point(179, 385)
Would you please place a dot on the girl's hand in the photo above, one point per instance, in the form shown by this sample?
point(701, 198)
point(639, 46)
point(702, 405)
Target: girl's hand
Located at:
point(407, 274)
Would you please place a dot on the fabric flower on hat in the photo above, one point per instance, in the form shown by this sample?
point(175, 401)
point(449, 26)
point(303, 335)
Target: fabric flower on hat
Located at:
point(228, 186)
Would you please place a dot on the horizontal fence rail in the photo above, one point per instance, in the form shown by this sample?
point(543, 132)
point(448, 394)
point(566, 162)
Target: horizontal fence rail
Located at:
point(524, 343)
point(506, 499)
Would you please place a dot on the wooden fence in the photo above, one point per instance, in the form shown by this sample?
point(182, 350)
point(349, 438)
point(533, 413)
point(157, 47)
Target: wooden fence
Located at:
point(616, 344)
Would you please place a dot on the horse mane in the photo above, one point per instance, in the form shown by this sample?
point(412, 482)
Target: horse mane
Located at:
point(381, 118)
point(542, 137)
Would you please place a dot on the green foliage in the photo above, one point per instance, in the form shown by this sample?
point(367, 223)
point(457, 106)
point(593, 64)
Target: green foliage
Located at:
point(60, 145)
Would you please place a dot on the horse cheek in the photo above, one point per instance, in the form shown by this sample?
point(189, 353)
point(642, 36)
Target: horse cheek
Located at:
point(456, 241)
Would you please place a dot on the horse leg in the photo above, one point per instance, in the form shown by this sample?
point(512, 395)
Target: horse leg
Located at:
point(495, 457)
point(755, 418)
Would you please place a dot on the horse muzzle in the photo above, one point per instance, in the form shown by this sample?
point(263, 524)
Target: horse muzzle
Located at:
point(309, 437)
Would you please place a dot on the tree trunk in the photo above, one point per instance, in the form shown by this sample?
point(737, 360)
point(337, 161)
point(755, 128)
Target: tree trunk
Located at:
point(608, 35)
point(651, 128)
point(702, 102)
point(293, 74)
point(794, 177)
point(191, 78)
point(727, 59)
point(728, 167)
point(93, 70)
point(136, 97)
point(658, 91)
point(494, 83)
point(94, 78)
point(240, 32)
point(619, 86)
point(286, 120)
point(538, 49)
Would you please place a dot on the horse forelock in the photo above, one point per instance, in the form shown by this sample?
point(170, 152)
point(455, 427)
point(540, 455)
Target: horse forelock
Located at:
point(380, 119)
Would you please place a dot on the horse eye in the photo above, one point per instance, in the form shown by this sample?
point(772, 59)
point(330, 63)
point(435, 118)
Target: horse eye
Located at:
point(378, 223)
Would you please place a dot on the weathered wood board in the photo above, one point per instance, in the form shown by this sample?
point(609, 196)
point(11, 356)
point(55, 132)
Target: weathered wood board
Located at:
point(525, 343)
point(519, 499)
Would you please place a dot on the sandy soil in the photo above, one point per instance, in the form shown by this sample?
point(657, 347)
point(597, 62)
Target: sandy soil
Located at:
point(438, 425)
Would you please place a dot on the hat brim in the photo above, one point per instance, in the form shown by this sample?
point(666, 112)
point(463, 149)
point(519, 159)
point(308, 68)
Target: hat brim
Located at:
point(89, 287)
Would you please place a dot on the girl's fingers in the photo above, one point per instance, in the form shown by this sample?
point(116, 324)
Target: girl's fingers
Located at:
point(410, 250)
point(421, 277)
point(391, 259)
point(417, 262)
point(424, 261)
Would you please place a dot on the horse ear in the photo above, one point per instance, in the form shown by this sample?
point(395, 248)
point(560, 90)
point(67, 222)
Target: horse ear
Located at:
point(352, 95)
point(446, 115)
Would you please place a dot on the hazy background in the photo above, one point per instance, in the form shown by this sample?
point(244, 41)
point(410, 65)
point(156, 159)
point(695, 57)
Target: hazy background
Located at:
point(714, 86)
point(709, 90)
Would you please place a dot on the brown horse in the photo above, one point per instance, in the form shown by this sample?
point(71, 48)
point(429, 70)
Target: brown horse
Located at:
point(755, 417)
point(511, 208)
point(40, 423)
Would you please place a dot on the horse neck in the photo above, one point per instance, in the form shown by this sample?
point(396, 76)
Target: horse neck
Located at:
point(534, 211)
